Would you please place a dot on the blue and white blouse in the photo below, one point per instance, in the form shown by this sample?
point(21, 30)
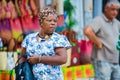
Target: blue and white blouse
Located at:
point(45, 48)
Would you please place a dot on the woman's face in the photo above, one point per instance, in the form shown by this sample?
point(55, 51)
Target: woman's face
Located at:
point(49, 24)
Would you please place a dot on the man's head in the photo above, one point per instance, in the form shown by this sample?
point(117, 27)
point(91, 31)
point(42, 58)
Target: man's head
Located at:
point(111, 9)
point(48, 20)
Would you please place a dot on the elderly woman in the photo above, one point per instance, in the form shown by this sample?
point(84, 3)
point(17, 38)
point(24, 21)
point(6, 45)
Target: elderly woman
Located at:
point(46, 48)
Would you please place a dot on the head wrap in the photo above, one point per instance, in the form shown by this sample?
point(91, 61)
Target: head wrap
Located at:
point(45, 12)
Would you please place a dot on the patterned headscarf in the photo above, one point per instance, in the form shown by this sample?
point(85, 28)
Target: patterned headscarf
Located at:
point(45, 12)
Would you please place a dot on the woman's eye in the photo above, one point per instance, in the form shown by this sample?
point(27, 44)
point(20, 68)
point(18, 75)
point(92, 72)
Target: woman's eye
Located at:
point(51, 20)
point(55, 20)
point(48, 20)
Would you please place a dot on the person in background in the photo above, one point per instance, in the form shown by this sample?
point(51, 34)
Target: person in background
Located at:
point(46, 48)
point(104, 31)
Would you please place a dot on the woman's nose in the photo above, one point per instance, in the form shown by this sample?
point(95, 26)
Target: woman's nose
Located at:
point(53, 23)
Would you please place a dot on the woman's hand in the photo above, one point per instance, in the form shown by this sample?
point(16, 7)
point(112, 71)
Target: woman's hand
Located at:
point(33, 59)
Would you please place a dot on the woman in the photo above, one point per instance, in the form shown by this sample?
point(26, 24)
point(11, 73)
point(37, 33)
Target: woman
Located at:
point(46, 48)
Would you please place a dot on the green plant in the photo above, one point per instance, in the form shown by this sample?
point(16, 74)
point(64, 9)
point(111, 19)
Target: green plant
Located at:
point(69, 9)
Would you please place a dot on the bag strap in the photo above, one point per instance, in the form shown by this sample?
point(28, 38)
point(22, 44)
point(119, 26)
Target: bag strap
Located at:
point(24, 55)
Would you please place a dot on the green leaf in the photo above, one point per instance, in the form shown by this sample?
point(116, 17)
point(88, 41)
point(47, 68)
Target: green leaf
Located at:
point(69, 8)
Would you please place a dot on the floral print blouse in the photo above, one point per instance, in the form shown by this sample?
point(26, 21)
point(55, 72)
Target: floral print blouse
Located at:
point(44, 47)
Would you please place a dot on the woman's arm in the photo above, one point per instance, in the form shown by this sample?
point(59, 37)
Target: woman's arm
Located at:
point(59, 58)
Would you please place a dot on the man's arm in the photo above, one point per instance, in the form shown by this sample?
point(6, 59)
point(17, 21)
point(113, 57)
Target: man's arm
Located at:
point(89, 32)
